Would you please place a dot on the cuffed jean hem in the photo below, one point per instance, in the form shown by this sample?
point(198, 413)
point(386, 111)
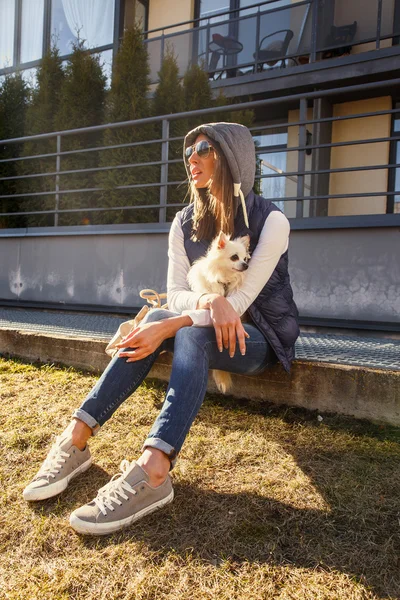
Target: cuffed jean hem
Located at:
point(82, 415)
point(153, 442)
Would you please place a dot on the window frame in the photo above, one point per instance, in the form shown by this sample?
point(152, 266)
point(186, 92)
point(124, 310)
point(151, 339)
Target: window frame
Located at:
point(16, 63)
point(390, 203)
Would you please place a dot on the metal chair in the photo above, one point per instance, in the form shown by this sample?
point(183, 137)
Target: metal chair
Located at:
point(344, 34)
point(274, 51)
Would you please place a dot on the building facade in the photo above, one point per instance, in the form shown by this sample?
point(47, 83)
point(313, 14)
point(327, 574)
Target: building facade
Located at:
point(322, 79)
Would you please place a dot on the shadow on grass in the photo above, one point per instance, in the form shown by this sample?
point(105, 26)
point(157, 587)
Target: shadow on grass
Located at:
point(358, 534)
point(246, 527)
point(297, 415)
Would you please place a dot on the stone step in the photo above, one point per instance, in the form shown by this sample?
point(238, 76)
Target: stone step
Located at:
point(351, 375)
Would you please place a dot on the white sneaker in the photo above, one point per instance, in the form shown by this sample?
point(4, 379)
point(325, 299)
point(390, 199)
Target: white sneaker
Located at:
point(64, 462)
point(125, 499)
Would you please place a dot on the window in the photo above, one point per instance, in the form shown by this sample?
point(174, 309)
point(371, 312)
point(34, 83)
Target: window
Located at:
point(32, 30)
point(211, 8)
point(91, 21)
point(30, 77)
point(279, 26)
point(7, 17)
point(271, 161)
point(135, 11)
point(209, 11)
point(396, 154)
point(106, 63)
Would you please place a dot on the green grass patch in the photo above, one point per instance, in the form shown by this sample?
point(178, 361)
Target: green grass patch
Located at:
point(270, 502)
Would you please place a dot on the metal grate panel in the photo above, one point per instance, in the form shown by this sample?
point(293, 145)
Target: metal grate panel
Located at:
point(378, 353)
point(77, 324)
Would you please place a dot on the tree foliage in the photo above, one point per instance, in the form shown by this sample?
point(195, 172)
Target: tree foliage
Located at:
point(128, 100)
point(14, 95)
point(76, 97)
point(81, 104)
point(169, 98)
point(41, 118)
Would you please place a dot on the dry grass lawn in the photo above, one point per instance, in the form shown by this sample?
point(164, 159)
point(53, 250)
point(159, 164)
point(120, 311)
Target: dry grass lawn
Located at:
point(271, 503)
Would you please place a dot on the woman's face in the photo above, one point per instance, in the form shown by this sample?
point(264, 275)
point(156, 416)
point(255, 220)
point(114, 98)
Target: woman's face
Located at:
point(202, 169)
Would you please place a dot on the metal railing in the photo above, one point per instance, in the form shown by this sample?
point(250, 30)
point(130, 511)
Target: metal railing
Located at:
point(305, 180)
point(312, 38)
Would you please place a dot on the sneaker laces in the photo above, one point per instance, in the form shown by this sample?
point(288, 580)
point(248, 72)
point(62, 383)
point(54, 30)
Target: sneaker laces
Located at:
point(115, 489)
point(54, 461)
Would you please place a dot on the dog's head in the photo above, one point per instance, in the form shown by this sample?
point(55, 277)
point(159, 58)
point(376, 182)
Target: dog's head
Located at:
point(231, 255)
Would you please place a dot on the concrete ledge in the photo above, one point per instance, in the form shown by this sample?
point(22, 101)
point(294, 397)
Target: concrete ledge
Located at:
point(355, 391)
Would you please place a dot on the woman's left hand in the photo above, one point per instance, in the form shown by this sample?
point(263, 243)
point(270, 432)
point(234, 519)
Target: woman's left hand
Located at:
point(143, 340)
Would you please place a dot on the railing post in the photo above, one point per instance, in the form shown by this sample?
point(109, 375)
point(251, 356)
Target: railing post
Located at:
point(301, 163)
point(58, 169)
point(378, 25)
point(162, 45)
point(314, 31)
point(257, 41)
point(164, 171)
point(207, 43)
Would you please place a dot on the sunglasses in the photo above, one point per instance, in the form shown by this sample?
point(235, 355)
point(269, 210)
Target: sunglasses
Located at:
point(202, 149)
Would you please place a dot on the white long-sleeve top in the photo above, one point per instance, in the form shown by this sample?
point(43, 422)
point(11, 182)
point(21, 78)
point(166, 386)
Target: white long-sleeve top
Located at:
point(272, 243)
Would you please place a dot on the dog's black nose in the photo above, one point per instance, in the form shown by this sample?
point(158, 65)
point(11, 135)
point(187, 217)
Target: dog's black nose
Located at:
point(245, 266)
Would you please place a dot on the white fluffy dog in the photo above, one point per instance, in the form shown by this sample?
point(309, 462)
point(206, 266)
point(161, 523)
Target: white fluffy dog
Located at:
point(221, 271)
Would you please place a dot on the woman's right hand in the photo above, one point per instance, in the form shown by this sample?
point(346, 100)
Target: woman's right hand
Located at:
point(228, 326)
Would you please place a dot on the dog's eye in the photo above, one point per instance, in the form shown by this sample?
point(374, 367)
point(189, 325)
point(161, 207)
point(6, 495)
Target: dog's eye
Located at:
point(235, 257)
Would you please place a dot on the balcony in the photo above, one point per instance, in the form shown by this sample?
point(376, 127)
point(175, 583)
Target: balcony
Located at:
point(279, 37)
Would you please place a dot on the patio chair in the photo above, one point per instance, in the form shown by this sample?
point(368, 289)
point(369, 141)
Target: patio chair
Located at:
point(275, 50)
point(344, 34)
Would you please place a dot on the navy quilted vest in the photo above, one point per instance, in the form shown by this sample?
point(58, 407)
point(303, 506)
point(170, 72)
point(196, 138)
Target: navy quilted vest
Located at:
point(274, 311)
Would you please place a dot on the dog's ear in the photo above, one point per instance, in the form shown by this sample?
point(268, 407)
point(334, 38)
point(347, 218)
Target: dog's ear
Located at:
point(221, 240)
point(246, 241)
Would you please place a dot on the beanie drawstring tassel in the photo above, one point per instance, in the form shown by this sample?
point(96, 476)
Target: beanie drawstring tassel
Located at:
point(238, 192)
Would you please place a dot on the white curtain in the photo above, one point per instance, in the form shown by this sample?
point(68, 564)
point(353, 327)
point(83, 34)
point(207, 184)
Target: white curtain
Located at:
point(32, 30)
point(7, 8)
point(92, 20)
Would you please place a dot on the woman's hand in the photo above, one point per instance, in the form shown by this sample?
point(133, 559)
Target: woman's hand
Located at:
point(144, 340)
point(227, 325)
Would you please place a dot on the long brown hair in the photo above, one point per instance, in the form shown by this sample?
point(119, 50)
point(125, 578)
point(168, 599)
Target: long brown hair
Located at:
point(214, 206)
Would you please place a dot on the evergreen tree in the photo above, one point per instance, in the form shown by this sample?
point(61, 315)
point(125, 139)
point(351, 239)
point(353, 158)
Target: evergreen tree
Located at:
point(128, 100)
point(14, 95)
point(41, 118)
point(198, 93)
point(168, 99)
point(244, 117)
point(81, 104)
point(169, 95)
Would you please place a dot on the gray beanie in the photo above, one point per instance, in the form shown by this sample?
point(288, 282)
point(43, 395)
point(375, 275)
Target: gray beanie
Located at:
point(237, 144)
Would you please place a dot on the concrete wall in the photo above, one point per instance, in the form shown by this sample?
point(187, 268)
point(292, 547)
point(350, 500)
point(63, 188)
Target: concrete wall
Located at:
point(362, 155)
point(162, 14)
point(348, 156)
point(102, 270)
point(292, 165)
point(340, 273)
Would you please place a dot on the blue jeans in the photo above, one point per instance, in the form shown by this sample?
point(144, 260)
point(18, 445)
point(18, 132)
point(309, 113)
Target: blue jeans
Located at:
point(195, 352)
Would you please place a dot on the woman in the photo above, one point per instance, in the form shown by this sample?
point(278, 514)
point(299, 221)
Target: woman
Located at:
point(203, 331)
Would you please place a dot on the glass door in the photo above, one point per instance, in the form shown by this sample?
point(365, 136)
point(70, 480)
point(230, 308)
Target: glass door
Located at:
point(270, 23)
